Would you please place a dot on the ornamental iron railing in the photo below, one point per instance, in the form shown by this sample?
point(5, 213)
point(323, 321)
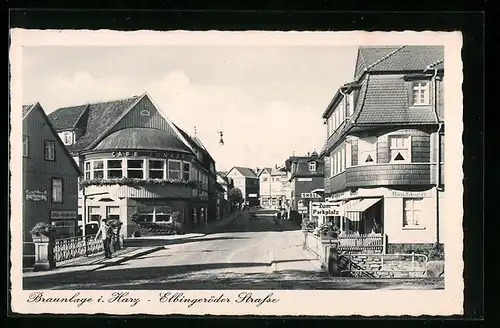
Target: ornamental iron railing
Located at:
point(71, 248)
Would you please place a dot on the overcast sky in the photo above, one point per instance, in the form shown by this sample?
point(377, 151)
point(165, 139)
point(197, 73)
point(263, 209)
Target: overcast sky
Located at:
point(267, 100)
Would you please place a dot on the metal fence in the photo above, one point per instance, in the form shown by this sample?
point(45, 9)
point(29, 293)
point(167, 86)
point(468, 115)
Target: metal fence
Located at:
point(70, 248)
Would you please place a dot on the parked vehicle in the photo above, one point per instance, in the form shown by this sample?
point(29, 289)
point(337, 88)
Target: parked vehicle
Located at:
point(91, 228)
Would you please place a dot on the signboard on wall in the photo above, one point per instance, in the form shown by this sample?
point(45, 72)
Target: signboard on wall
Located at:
point(62, 215)
point(310, 195)
point(304, 179)
point(324, 208)
point(170, 155)
point(252, 195)
point(36, 195)
point(302, 209)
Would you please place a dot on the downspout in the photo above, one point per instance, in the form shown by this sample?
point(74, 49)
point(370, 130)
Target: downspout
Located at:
point(438, 152)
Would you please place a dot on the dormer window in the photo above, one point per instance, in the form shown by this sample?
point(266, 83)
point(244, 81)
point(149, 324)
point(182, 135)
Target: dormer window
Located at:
point(312, 166)
point(421, 92)
point(350, 105)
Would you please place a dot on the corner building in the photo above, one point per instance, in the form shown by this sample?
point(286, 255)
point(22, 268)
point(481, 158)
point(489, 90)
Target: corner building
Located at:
point(384, 154)
point(135, 161)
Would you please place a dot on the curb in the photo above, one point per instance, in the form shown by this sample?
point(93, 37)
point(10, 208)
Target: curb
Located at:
point(127, 258)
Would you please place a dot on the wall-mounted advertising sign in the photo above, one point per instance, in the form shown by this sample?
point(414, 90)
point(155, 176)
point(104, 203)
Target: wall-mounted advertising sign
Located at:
point(310, 195)
point(36, 195)
point(326, 209)
point(149, 154)
point(60, 215)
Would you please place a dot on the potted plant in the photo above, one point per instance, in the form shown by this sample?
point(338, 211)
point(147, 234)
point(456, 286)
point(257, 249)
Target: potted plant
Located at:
point(42, 231)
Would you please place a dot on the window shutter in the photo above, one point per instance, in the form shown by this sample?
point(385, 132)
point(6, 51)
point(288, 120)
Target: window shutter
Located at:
point(409, 88)
point(328, 166)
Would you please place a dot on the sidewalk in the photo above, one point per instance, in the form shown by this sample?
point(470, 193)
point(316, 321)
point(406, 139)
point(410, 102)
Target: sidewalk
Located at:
point(292, 257)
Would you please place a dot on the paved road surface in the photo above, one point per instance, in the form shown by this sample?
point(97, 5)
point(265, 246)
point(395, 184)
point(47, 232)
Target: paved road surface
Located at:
point(249, 254)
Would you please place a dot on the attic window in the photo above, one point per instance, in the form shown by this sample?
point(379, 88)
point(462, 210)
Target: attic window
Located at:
point(312, 166)
point(145, 112)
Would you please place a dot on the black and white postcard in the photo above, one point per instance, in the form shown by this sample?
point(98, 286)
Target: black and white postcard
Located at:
point(236, 173)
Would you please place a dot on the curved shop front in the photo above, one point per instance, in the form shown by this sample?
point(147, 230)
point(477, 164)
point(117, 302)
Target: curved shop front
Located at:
point(141, 172)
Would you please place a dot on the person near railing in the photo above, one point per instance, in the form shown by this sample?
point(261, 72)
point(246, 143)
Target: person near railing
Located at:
point(104, 233)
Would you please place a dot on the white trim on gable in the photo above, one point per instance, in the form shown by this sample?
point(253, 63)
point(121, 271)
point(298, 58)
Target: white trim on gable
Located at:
point(179, 135)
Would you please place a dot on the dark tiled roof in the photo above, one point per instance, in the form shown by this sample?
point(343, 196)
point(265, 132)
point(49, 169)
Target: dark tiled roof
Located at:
point(67, 117)
point(142, 138)
point(386, 101)
point(395, 59)
point(101, 116)
point(222, 174)
point(246, 172)
point(302, 169)
point(194, 141)
point(265, 169)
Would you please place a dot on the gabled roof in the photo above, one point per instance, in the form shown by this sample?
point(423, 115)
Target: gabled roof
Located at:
point(194, 141)
point(267, 170)
point(101, 117)
point(395, 59)
point(27, 109)
point(222, 173)
point(245, 171)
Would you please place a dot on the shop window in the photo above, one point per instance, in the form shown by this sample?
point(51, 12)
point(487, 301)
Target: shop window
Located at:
point(87, 171)
point(115, 168)
point(156, 169)
point(25, 146)
point(64, 228)
point(98, 169)
point(113, 212)
point(186, 171)
point(400, 149)
point(412, 210)
point(135, 168)
point(174, 170)
point(50, 150)
point(57, 190)
point(421, 93)
point(367, 150)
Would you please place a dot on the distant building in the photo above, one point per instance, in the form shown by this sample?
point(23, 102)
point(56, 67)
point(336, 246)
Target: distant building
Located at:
point(274, 187)
point(136, 162)
point(227, 185)
point(384, 154)
point(247, 181)
point(50, 180)
point(306, 174)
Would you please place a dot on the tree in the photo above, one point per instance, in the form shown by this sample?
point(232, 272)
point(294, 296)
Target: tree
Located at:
point(235, 195)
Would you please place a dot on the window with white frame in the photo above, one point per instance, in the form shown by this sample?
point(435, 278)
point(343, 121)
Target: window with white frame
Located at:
point(400, 149)
point(174, 169)
point(57, 190)
point(312, 166)
point(50, 150)
point(135, 168)
point(348, 155)
point(186, 171)
point(115, 168)
point(333, 122)
point(367, 150)
point(94, 213)
point(25, 146)
point(87, 171)
point(98, 169)
point(421, 92)
point(412, 210)
point(332, 164)
point(156, 168)
point(113, 213)
point(68, 138)
point(342, 159)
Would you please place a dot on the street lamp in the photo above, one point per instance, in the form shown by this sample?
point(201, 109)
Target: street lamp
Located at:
point(221, 141)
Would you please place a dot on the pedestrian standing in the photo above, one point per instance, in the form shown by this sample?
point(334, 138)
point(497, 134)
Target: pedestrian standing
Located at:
point(104, 233)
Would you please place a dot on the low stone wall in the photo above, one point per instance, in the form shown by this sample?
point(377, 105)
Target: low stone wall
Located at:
point(319, 246)
point(388, 265)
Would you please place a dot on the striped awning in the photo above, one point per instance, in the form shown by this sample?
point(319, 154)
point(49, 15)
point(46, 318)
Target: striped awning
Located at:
point(353, 209)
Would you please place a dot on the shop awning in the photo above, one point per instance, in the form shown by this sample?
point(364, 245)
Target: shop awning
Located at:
point(354, 210)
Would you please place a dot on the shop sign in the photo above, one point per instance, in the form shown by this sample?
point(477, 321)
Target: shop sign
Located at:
point(304, 179)
point(148, 154)
point(36, 195)
point(302, 209)
point(410, 194)
point(324, 208)
point(60, 215)
point(309, 195)
point(252, 195)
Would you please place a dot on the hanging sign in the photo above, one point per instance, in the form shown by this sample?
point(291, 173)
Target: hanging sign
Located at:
point(36, 195)
point(324, 208)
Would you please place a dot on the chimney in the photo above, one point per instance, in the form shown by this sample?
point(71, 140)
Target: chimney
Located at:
point(308, 154)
